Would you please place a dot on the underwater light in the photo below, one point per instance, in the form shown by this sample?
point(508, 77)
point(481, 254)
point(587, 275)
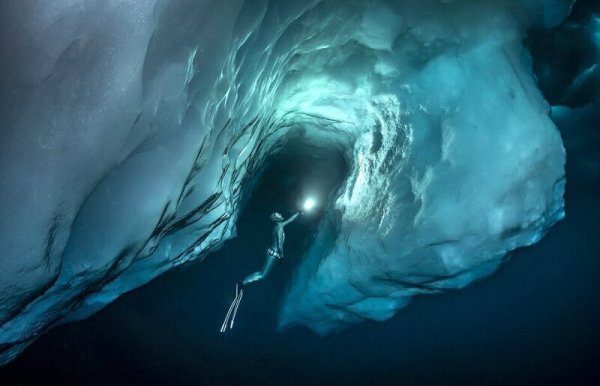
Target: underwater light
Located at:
point(309, 203)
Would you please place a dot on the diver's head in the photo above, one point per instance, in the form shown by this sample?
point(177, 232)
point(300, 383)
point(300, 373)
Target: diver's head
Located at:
point(276, 217)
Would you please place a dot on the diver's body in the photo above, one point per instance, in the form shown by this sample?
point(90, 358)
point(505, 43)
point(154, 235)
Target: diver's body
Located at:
point(275, 252)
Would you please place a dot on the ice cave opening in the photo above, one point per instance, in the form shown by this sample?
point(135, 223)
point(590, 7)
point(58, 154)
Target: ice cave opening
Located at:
point(297, 169)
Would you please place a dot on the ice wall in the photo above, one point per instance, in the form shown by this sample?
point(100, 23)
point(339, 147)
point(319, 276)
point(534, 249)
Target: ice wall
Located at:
point(132, 129)
point(456, 165)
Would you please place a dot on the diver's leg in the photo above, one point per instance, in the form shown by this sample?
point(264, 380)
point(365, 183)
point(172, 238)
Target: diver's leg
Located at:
point(256, 276)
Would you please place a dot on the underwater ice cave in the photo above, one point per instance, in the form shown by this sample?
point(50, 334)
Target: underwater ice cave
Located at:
point(145, 145)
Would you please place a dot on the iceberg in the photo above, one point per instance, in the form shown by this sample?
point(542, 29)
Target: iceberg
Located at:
point(133, 130)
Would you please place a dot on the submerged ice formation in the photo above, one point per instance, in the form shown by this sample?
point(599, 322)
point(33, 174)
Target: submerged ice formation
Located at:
point(132, 130)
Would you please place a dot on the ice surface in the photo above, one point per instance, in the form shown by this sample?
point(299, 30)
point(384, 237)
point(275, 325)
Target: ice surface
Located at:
point(132, 129)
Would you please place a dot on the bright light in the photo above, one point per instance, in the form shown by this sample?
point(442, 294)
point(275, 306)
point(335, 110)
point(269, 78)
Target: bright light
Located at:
point(309, 203)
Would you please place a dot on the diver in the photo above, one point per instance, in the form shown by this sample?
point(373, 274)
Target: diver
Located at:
point(274, 253)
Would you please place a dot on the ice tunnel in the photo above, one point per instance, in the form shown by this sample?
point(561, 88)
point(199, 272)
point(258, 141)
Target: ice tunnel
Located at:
point(133, 131)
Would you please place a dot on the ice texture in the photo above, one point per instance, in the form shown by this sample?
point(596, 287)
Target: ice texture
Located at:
point(132, 129)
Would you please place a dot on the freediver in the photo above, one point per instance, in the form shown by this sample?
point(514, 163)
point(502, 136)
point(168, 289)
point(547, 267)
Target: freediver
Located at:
point(274, 253)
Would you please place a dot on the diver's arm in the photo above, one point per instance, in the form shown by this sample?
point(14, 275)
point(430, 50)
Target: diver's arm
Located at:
point(289, 220)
